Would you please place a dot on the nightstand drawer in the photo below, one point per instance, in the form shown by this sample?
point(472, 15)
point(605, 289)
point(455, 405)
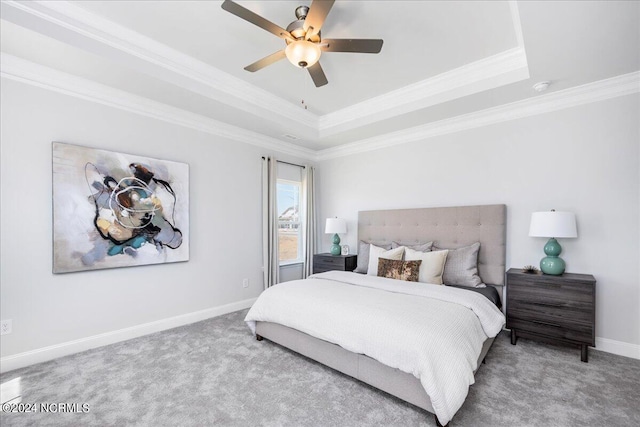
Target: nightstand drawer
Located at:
point(554, 288)
point(566, 320)
point(553, 309)
point(551, 329)
point(572, 301)
point(328, 262)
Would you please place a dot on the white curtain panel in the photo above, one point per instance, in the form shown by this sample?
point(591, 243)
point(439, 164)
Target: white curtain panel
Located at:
point(270, 264)
point(309, 224)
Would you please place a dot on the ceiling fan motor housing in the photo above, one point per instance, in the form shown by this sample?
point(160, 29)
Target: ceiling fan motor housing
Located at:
point(302, 11)
point(296, 29)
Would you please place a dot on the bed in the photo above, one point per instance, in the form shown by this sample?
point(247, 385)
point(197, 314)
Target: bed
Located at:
point(449, 227)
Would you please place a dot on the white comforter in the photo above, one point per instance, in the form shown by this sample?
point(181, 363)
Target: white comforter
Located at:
point(431, 331)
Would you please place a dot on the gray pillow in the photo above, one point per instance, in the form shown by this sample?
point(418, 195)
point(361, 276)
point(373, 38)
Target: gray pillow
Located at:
point(363, 255)
point(461, 267)
point(421, 247)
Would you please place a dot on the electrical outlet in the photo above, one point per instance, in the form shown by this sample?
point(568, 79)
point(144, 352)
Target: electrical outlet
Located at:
point(6, 327)
point(245, 283)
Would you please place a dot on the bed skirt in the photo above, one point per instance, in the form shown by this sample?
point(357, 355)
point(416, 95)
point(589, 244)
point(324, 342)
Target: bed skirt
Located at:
point(390, 380)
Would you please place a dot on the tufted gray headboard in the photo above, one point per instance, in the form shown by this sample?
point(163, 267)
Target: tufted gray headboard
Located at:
point(450, 227)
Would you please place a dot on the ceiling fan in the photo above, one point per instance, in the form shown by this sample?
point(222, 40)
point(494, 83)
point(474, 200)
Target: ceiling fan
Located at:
point(304, 44)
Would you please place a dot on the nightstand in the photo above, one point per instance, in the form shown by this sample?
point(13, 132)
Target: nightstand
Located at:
point(328, 262)
point(552, 308)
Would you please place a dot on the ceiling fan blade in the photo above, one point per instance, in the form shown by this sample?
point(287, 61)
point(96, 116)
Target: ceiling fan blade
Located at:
point(317, 75)
point(318, 11)
point(255, 19)
point(267, 60)
point(351, 45)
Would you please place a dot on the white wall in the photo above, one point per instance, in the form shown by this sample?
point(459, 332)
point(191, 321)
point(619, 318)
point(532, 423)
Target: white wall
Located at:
point(225, 217)
point(584, 160)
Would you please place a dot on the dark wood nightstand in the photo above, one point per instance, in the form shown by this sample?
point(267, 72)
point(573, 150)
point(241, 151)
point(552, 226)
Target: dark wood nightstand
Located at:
point(552, 308)
point(328, 262)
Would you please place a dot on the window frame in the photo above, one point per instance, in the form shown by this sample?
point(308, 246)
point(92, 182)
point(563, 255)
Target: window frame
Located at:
point(299, 222)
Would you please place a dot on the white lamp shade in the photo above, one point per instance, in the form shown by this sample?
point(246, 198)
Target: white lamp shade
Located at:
point(335, 226)
point(302, 53)
point(553, 224)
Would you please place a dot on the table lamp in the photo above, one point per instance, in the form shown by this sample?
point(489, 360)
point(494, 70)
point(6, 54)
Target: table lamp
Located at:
point(553, 224)
point(336, 226)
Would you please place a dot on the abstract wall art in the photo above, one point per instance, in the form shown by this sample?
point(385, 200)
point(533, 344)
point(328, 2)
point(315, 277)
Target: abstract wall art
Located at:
point(117, 210)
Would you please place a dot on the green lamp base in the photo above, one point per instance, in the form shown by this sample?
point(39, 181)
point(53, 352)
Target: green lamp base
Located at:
point(552, 264)
point(335, 248)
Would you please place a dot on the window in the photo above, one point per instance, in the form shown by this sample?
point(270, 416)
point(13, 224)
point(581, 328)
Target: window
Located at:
point(289, 221)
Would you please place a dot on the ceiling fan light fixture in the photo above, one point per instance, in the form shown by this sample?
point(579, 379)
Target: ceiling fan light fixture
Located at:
point(303, 53)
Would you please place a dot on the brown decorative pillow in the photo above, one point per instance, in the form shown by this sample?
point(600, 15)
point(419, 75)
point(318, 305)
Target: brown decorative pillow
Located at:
point(399, 270)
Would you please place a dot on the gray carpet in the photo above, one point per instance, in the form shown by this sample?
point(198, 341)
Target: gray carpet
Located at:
point(215, 373)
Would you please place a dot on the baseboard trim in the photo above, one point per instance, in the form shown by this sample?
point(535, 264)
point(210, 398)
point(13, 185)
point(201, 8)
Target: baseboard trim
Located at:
point(44, 354)
point(20, 360)
point(617, 347)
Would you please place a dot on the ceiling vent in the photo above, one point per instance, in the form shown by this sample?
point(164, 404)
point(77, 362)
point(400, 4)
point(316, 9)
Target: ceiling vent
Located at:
point(290, 137)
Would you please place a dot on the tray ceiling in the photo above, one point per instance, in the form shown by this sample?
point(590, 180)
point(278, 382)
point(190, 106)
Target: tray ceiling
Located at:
point(439, 60)
point(421, 40)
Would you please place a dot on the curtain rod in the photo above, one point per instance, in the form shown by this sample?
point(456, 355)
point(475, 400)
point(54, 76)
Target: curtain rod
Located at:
point(287, 163)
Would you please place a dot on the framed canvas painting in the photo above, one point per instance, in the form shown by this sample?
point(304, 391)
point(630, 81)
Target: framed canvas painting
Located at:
point(117, 210)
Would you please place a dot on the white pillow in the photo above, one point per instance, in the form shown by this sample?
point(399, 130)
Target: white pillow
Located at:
point(376, 252)
point(432, 265)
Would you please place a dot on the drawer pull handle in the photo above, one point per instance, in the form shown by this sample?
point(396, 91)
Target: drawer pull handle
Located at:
point(544, 304)
point(549, 304)
point(546, 323)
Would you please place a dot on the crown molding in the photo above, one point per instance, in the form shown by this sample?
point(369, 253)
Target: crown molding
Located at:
point(163, 61)
point(501, 69)
point(517, 24)
point(156, 59)
point(625, 84)
point(14, 68)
